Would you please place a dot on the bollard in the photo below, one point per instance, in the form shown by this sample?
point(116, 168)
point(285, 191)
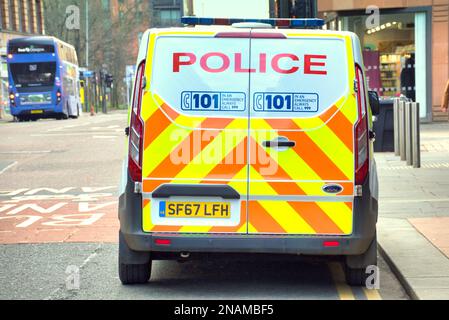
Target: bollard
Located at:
point(396, 126)
point(416, 132)
point(402, 140)
point(408, 134)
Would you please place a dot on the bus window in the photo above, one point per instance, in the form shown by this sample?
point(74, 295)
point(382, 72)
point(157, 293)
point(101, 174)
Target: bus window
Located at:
point(33, 74)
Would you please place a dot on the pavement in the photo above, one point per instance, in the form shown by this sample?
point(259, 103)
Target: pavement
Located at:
point(413, 230)
point(58, 228)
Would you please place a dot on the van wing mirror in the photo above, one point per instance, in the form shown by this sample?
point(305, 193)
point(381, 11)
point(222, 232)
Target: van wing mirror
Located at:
point(374, 102)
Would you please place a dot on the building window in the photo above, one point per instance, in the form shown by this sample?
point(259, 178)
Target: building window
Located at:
point(168, 17)
point(31, 16)
point(39, 16)
point(167, 13)
point(22, 16)
point(394, 54)
point(2, 15)
point(12, 15)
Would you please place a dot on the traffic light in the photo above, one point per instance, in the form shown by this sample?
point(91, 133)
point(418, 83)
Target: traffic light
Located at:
point(109, 80)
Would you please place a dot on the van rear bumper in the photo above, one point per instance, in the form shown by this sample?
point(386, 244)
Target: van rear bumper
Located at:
point(364, 231)
point(248, 244)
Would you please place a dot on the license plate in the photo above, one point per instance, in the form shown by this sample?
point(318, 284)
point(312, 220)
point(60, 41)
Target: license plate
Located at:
point(217, 210)
point(37, 111)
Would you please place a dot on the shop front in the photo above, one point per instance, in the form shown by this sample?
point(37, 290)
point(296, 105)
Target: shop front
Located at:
point(396, 49)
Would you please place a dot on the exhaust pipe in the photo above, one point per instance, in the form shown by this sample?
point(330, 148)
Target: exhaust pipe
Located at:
point(185, 255)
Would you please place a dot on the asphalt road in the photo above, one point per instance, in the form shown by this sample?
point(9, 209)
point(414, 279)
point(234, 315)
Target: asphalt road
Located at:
point(58, 229)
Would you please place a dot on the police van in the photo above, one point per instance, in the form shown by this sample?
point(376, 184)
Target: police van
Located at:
point(249, 136)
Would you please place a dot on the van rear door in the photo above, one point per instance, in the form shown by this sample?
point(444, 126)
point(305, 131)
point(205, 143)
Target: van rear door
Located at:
point(196, 120)
point(301, 134)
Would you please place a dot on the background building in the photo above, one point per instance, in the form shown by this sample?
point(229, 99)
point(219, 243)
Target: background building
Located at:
point(166, 13)
point(407, 53)
point(17, 18)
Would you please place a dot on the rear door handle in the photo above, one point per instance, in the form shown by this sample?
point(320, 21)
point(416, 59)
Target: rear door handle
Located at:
point(279, 143)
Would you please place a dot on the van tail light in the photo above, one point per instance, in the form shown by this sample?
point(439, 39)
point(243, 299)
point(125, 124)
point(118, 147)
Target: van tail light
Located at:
point(136, 129)
point(361, 131)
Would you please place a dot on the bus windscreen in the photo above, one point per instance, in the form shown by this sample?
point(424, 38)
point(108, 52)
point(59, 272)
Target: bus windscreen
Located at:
point(27, 75)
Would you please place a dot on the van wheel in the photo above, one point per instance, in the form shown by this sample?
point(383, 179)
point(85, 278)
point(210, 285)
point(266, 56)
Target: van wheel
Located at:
point(134, 267)
point(356, 270)
point(134, 273)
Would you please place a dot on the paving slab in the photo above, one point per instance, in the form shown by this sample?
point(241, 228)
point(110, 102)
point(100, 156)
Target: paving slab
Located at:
point(419, 265)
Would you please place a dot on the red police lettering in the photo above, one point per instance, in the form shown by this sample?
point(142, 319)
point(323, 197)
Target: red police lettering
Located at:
point(226, 62)
point(308, 64)
point(275, 63)
point(177, 63)
point(263, 63)
point(238, 65)
point(313, 64)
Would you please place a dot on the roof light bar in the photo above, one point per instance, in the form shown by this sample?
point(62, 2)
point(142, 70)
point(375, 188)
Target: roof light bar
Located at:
point(286, 23)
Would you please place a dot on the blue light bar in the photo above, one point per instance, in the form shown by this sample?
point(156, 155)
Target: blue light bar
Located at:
point(286, 23)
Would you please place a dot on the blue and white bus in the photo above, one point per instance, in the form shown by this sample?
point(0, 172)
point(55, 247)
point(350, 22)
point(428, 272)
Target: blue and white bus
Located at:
point(43, 79)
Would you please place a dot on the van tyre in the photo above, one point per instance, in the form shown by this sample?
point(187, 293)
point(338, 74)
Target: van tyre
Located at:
point(134, 273)
point(356, 266)
point(134, 267)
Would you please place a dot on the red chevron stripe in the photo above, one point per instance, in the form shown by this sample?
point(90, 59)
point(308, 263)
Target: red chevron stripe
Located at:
point(262, 220)
point(341, 127)
point(316, 217)
point(280, 174)
point(168, 169)
point(154, 126)
point(310, 152)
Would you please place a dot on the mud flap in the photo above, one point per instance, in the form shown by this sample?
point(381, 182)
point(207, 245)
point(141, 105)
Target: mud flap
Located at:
point(128, 256)
point(369, 258)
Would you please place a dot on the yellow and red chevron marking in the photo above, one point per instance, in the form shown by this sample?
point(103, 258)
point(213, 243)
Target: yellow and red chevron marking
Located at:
point(305, 218)
point(148, 226)
point(200, 150)
point(297, 172)
point(324, 152)
point(294, 172)
point(323, 155)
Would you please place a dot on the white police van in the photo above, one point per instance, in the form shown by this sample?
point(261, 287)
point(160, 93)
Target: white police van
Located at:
point(249, 136)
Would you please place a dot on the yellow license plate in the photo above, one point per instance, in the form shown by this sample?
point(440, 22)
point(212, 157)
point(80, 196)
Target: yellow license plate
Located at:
point(217, 210)
point(37, 111)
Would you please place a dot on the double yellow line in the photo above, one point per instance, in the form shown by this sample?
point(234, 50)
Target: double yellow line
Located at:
point(345, 292)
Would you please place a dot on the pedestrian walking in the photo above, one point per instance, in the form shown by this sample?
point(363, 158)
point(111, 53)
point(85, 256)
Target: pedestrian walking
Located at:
point(445, 103)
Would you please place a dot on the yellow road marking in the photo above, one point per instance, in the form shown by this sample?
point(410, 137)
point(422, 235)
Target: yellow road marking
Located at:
point(344, 291)
point(372, 294)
